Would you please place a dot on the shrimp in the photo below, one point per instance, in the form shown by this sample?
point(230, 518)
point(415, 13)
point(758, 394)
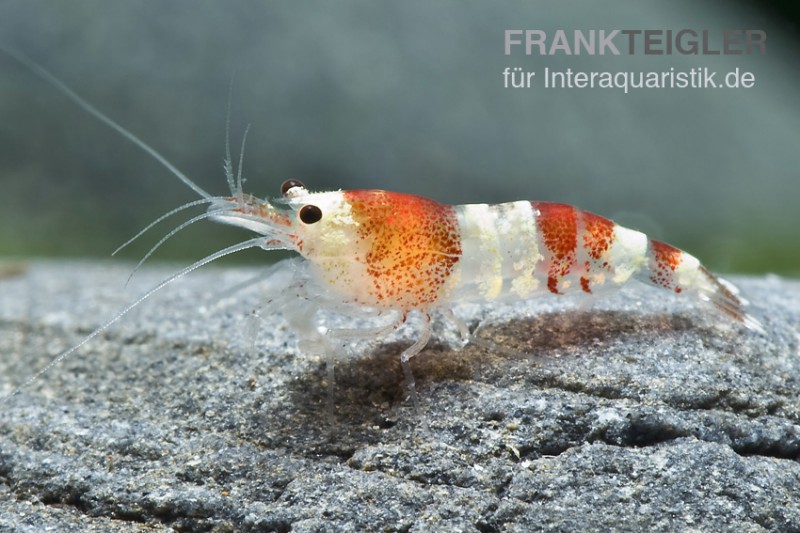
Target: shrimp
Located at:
point(404, 253)
point(376, 253)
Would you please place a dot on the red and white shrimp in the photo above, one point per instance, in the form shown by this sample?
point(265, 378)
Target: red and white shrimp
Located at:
point(381, 253)
point(397, 252)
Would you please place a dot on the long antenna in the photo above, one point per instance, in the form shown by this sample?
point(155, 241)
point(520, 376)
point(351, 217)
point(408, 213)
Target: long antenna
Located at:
point(250, 243)
point(72, 95)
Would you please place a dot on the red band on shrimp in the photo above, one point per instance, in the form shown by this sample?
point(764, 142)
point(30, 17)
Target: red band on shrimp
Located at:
point(559, 229)
point(664, 261)
point(599, 235)
point(414, 243)
point(596, 240)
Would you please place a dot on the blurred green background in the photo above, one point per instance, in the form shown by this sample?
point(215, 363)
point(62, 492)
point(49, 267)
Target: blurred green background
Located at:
point(406, 96)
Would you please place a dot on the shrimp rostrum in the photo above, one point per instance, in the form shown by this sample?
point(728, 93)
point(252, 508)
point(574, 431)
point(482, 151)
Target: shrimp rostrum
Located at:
point(398, 253)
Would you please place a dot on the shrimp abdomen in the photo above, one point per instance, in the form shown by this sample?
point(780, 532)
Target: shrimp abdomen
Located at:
point(520, 249)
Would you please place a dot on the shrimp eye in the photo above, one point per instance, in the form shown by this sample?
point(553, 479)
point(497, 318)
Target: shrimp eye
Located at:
point(310, 214)
point(290, 184)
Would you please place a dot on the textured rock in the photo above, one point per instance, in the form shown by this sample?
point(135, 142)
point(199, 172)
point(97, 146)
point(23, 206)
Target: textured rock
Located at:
point(641, 411)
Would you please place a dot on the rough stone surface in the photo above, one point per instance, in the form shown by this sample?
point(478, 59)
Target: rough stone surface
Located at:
point(639, 411)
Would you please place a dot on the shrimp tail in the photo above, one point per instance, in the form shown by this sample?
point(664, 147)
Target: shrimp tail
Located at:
point(673, 269)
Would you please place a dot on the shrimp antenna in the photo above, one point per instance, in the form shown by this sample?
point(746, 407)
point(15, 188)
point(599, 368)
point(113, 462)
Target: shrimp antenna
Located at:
point(89, 108)
point(234, 183)
point(250, 243)
point(228, 163)
point(165, 238)
point(159, 219)
point(239, 179)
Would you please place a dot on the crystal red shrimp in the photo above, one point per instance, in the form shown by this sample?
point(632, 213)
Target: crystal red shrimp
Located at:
point(381, 252)
point(403, 253)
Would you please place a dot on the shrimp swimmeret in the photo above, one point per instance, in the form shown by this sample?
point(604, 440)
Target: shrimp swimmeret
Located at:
point(390, 254)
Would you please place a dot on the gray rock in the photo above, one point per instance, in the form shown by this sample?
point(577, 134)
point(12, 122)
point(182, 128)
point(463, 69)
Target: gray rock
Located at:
point(643, 411)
